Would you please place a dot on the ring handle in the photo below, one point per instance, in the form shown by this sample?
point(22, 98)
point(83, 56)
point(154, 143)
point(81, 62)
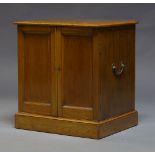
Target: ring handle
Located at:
point(117, 72)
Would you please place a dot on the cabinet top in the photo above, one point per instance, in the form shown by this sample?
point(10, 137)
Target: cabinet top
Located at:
point(77, 22)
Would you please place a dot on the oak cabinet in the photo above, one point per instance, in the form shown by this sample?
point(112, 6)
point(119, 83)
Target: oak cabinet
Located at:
point(76, 77)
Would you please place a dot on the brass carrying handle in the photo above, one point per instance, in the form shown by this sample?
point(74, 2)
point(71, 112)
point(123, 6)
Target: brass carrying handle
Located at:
point(117, 72)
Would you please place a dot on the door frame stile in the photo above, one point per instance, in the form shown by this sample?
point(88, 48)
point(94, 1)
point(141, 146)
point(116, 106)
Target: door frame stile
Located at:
point(58, 70)
point(20, 70)
point(53, 76)
point(96, 76)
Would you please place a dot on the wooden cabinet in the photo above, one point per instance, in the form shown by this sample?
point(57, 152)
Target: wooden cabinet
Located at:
point(76, 77)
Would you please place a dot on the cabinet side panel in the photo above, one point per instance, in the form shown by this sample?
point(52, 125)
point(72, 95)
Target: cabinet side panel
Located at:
point(117, 92)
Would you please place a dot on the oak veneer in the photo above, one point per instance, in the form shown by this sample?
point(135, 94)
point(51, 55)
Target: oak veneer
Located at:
point(76, 77)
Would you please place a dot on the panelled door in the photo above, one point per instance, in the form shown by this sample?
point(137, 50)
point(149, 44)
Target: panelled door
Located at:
point(37, 77)
point(75, 79)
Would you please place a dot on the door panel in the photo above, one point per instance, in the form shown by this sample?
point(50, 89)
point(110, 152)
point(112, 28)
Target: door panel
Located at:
point(117, 92)
point(38, 76)
point(75, 95)
point(77, 71)
point(37, 64)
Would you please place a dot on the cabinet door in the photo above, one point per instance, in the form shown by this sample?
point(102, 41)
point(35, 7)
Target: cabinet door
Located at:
point(37, 85)
point(75, 99)
point(117, 91)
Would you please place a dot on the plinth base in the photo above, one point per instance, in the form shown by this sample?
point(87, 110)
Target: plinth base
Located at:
point(81, 128)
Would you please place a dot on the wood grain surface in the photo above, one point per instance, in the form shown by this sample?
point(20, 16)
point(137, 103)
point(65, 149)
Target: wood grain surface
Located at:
point(72, 127)
point(77, 22)
point(66, 84)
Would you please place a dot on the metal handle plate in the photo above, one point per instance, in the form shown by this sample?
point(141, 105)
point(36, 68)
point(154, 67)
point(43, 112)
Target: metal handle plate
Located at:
point(119, 71)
